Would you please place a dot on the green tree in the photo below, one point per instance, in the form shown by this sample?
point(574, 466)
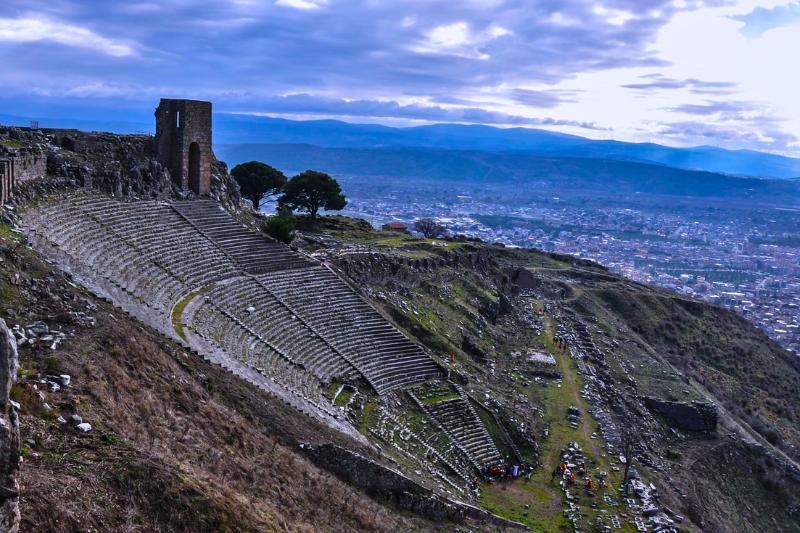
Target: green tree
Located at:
point(280, 226)
point(311, 191)
point(258, 181)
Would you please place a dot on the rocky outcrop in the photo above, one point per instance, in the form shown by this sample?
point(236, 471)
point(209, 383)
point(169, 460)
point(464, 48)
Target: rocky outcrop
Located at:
point(122, 165)
point(374, 268)
point(9, 434)
point(379, 269)
point(694, 416)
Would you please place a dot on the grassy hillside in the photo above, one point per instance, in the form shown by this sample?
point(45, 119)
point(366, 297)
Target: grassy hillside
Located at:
point(470, 299)
point(737, 363)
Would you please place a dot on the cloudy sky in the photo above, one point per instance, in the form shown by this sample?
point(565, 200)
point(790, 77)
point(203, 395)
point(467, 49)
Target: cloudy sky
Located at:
point(678, 72)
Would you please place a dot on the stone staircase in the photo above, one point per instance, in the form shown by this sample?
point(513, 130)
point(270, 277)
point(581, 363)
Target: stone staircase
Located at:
point(458, 419)
point(250, 251)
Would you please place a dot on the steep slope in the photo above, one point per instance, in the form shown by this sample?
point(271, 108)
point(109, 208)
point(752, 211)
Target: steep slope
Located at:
point(704, 395)
point(541, 360)
point(176, 444)
point(740, 365)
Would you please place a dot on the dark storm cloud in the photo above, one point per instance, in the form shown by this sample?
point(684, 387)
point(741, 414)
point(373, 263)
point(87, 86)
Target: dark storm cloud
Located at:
point(240, 52)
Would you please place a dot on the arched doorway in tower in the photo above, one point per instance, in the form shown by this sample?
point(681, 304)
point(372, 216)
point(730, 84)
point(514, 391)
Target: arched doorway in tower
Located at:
point(194, 167)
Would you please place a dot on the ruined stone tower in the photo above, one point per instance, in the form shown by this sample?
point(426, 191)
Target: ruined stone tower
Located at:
point(183, 142)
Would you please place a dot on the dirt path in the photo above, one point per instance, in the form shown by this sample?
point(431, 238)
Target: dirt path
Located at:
point(571, 381)
point(542, 494)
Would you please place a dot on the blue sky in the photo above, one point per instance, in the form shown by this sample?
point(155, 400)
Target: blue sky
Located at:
point(678, 72)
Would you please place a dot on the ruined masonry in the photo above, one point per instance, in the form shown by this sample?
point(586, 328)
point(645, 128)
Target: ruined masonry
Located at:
point(18, 167)
point(183, 143)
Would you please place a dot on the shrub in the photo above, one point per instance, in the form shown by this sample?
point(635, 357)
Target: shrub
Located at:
point(280, 226)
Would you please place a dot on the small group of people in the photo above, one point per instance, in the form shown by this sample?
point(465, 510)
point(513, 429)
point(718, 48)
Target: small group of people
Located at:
point(572, 476)
point(506, 471)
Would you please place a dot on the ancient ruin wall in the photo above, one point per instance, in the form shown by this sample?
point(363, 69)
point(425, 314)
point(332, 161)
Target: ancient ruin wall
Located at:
point(694, 416)
point(29, 167)
point(183, 142)
point(6, 181)
point(15, 169)
point(390, 485)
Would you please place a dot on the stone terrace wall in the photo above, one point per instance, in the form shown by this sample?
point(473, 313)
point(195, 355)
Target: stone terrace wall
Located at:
point(694, 416)
point(389, 485)
point(19, 162)
point(28, 167)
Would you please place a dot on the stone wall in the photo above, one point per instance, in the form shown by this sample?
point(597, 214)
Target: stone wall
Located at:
point(694, 416)
point(6, 180)
point(28, 167)
point(17, 168)
point(389, 485)
point(183, 142)
point(9, 434)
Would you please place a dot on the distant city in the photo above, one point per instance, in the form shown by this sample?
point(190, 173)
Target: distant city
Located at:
point(737, 255)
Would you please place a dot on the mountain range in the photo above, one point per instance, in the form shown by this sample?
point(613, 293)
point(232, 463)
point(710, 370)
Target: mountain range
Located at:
point(517, 169)
point(233, 129)
point(245, 129)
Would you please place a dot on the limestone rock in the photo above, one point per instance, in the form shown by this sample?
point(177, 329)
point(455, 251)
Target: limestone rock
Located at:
point(9, 434)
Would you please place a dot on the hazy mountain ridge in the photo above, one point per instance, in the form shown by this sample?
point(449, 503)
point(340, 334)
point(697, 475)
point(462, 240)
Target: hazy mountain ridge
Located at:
point(534, 170)
point(238, 129)
point(248, 129)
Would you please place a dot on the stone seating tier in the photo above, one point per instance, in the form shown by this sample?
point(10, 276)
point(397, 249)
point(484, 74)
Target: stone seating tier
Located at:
point(253, 252)
point(160, 252)
point(458, 418)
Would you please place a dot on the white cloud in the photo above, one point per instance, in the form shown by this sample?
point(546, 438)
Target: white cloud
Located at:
point(709, 60)
point(558, 18)
point(616, 17)
point(31, 29)
point(301, 4)
point(408, 22)
point(709, 44)
point(459, 40)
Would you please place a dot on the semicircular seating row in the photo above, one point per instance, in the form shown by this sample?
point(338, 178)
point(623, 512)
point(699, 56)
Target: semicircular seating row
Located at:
point(263, 303)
